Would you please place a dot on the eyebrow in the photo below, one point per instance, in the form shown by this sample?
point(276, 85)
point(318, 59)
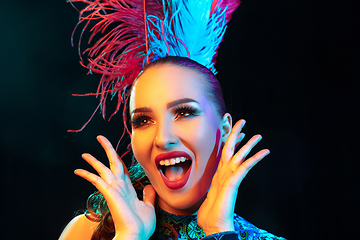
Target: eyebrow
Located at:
point(179, 101)
point(168, 106)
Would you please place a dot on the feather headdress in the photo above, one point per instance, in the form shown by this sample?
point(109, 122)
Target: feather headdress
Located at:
point(138, 32)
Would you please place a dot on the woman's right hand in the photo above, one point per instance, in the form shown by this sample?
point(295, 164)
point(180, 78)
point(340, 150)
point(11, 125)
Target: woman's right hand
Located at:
point(133, 219)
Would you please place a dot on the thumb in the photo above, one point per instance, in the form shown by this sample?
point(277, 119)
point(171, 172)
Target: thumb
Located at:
point(149, 195)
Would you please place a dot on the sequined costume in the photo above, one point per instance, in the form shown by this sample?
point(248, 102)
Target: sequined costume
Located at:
point(187, 228)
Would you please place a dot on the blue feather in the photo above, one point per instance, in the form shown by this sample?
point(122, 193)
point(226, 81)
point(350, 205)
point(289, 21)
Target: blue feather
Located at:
point(187, 30)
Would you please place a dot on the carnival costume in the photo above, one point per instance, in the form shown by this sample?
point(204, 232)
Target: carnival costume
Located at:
point(138, 32)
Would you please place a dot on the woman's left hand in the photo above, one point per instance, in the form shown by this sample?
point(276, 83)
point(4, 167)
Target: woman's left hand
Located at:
point(217, 211)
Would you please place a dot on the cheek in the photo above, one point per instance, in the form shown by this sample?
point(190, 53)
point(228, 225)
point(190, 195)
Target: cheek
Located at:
point(141, 146)
point(204, 141)
point(207, 143)
point(199, 133)
point(208, 166)
point(205, 137)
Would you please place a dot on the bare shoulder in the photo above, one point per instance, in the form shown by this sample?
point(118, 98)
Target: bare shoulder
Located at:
point(79, 228)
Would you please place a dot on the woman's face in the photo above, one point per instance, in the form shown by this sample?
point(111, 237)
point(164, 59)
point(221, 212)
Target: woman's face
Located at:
point(176, 135)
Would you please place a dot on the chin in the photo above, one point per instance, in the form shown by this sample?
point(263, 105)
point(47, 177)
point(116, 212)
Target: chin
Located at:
point(181, 202)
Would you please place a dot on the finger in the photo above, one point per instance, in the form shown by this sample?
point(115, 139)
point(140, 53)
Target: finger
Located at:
point(244, 151)
point(114, 159)
point(238, 141)
point(116, 168)
point(95, 180)
point(244, 168)
point(229, 146)
point(240, 138)
point(126, 171)
point(92, 178)
point(149, 195)
point(109, 192)
point(99, 167)
point(127, 178)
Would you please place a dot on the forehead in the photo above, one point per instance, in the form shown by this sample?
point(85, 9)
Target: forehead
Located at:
point(166, 83)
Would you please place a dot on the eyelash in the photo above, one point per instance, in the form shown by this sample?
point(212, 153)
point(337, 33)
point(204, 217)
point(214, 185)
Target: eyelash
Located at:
point(187, 109)
point(141, 119)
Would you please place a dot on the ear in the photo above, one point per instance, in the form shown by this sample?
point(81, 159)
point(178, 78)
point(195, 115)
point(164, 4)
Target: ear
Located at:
point(226, 126)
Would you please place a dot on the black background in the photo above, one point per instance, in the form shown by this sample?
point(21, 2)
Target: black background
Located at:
point(290, 68)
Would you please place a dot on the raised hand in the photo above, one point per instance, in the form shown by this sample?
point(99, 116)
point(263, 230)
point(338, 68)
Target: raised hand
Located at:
point(133, 219)
point(216, 212)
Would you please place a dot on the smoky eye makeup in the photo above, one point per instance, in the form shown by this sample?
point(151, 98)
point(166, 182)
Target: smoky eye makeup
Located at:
point(140, 119)
point(185, 110)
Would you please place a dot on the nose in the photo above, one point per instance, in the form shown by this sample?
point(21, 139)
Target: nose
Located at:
point(165, 135)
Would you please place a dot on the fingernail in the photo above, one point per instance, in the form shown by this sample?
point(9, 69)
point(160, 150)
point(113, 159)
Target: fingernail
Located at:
point(268, 152)
point(243, 123)
point(242, 137)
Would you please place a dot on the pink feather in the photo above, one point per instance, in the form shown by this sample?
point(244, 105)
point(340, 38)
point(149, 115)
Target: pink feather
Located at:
point(119, 55)
point(231, 7)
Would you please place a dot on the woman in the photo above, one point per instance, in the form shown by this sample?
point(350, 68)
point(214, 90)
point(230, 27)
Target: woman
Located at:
point(184, 140)
point(181, 136)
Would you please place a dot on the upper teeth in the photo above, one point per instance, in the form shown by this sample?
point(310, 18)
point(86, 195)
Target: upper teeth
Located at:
point(172, 161)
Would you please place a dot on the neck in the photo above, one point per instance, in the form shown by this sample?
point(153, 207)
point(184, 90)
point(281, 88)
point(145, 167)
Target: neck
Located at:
point(183, 211)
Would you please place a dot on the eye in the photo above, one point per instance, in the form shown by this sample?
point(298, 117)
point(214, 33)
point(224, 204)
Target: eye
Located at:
point(141, 120)
point(185, 111)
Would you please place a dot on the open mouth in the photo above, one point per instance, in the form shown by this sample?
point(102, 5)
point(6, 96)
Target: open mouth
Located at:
point(175, 168)
point(175, 172)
